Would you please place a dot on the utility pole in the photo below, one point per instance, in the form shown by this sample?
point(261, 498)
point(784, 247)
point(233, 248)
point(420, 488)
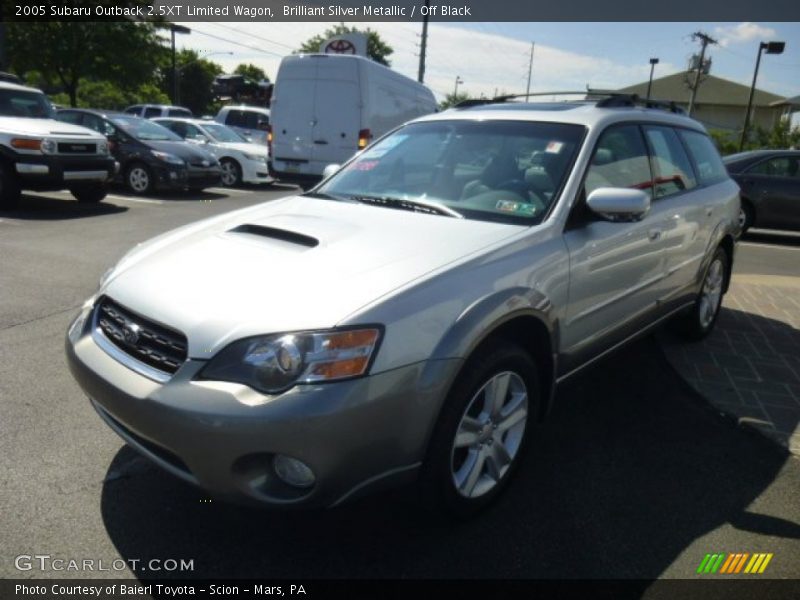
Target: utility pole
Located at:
point(423, 43)
point(705, 40)
point(173, 30)
point(530, 72)
point(653, 63)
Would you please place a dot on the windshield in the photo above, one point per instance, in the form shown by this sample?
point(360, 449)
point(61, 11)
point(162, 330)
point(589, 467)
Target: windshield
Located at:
point(144, 130)
point(506, 171)
point(223, 133)
point(22, 103)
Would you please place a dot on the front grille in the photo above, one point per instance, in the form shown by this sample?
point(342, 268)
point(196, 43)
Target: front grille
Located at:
point(76, 148)
point(200, 165)
point(154, 345)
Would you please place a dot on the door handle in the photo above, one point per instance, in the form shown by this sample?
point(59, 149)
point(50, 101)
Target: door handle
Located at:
point(321, 142)
point(709, 211)
point(654, 234)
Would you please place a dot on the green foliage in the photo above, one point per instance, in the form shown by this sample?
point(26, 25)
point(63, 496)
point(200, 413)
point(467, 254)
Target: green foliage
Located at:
point(377, 49)
point(64, 54)
point(780, 136)
point(453, 99)
point(195, 76)
point(251, 71)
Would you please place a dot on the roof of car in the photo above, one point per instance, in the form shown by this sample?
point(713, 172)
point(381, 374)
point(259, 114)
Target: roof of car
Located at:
point(581, 112)
point(757, 155)
point(8, 85)
point(244, 107)
point(99, 112)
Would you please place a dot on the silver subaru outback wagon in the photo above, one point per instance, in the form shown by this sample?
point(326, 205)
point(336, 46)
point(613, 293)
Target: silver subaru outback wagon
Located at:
point(409, 319)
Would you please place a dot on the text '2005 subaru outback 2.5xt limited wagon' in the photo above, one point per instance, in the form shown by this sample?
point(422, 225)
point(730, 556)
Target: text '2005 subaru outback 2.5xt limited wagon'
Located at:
point(409, 318)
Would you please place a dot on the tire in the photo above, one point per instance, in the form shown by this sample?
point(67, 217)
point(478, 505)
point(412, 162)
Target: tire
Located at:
point(746, 216)
point(699, 321)
point(89, 194)
point(465, 470)
point(231, 172)
point(10, 190)
point(139, 179)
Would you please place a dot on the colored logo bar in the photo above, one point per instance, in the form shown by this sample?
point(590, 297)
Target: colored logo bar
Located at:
point(735, 563)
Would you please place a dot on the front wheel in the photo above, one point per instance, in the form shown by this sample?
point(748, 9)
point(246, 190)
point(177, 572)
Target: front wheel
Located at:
point(139, 179)
point(700, 320)
point(10, 191)
point(231, 172)
point(89, 194)
point(745, 217)
point(482, 431)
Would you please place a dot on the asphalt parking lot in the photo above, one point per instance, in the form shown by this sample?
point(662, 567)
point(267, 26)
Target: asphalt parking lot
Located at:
point(633, 476)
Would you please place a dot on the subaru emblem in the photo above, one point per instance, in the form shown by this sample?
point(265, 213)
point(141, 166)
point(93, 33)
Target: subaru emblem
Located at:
point(130, 333)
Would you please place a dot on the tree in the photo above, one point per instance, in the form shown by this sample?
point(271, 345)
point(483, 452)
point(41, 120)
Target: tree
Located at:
point(377, 49)
point(195, 76)
point(452, 100)
point(251, 71)
point(66, 53)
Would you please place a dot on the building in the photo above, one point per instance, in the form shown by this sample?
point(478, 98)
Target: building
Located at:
point(720, 104)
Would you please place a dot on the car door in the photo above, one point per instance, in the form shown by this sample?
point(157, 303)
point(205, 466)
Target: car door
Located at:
point(683, 211)
point(773, 186)
point(615, 267)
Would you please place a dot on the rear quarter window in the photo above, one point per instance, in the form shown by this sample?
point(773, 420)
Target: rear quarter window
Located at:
point(710, 168)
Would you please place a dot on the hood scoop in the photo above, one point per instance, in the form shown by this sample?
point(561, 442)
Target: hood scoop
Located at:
point(273, 233)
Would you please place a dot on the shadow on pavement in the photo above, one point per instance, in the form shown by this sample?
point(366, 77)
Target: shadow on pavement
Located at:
point(630, 469)
point(43, 208)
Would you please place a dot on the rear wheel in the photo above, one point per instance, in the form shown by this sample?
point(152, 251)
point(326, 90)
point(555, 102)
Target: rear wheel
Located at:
point(89, 194)
point(700, 320)
point(10, 191)
point(482, 431)
point(139, 179)
point(231, 172)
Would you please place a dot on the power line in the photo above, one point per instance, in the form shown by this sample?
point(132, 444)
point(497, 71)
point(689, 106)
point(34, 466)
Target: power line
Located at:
point(252, 35)
point(218, 37)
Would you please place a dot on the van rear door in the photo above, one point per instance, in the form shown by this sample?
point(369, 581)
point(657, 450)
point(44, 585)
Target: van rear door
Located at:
point(337, 120)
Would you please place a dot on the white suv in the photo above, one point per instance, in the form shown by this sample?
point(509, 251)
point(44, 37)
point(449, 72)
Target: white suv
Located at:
point(410, 317)
point(42, 154)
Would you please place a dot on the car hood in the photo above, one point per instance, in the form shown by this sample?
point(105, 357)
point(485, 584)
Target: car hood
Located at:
point(25, 126)
point(293, 264)
point(185, 150)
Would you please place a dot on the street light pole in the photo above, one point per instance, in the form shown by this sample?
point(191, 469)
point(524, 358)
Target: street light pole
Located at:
point(173, 29)
point(653, 63)
point(771, 48)
point(455, 91)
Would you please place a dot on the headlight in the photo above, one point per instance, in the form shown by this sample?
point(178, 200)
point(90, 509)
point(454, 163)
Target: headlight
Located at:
point(167, 157)
point(275, 363)
point(256, 157)
point(102, 147)
point(48, 146)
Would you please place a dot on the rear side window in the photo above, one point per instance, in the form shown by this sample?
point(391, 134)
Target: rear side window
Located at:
point(620, 160)
point(671, 167)
point(133, 110)
point(152, 112)
point(782, 166)
point(247, 119)
point(710, 168)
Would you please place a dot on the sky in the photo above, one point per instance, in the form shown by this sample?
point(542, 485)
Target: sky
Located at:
point(494, 57)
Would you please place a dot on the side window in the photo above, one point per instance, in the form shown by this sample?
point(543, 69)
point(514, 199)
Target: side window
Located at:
point(176, 127)
point(671, 167)
point(620, 160)
point(69, 117)
point(133, 110)
point(235, 118)
point(98, 124)
point(152, 111)
point(710, 168)
point(192, 132)
point(782, 166)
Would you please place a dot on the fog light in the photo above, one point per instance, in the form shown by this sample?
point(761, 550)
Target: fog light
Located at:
point(292, 471)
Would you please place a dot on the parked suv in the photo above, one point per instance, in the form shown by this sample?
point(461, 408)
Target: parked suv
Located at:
point(149, 111)
point(251, 121)
point(410, 318)
point(39, 153)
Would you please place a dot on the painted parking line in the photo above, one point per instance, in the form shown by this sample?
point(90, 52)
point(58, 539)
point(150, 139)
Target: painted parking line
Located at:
point(216, 190)
point(129, 199)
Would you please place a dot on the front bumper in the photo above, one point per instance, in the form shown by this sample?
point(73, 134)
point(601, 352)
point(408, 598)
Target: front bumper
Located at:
point(199, 177)
point(57, 172)
point(355, 435)
point(254, 171)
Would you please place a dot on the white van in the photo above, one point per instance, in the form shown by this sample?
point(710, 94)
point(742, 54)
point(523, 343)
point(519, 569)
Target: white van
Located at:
point(326, 107)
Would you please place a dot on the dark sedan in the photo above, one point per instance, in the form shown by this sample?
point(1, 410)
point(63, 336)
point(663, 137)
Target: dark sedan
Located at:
point(150, 155)
point(770, 183)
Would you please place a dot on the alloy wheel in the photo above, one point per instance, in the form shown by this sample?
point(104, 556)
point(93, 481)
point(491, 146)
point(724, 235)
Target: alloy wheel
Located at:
point(139, 179)
point(711, 296)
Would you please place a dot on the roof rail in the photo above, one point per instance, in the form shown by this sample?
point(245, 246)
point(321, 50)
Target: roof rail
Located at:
point(603, 98)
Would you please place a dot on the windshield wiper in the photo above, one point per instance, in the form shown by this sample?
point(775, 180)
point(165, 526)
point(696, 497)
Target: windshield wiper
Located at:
point(326, 196)
point(423, 206)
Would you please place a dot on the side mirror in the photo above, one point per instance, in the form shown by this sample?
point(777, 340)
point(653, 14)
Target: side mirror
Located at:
point(619, 204)
point(330, 170)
